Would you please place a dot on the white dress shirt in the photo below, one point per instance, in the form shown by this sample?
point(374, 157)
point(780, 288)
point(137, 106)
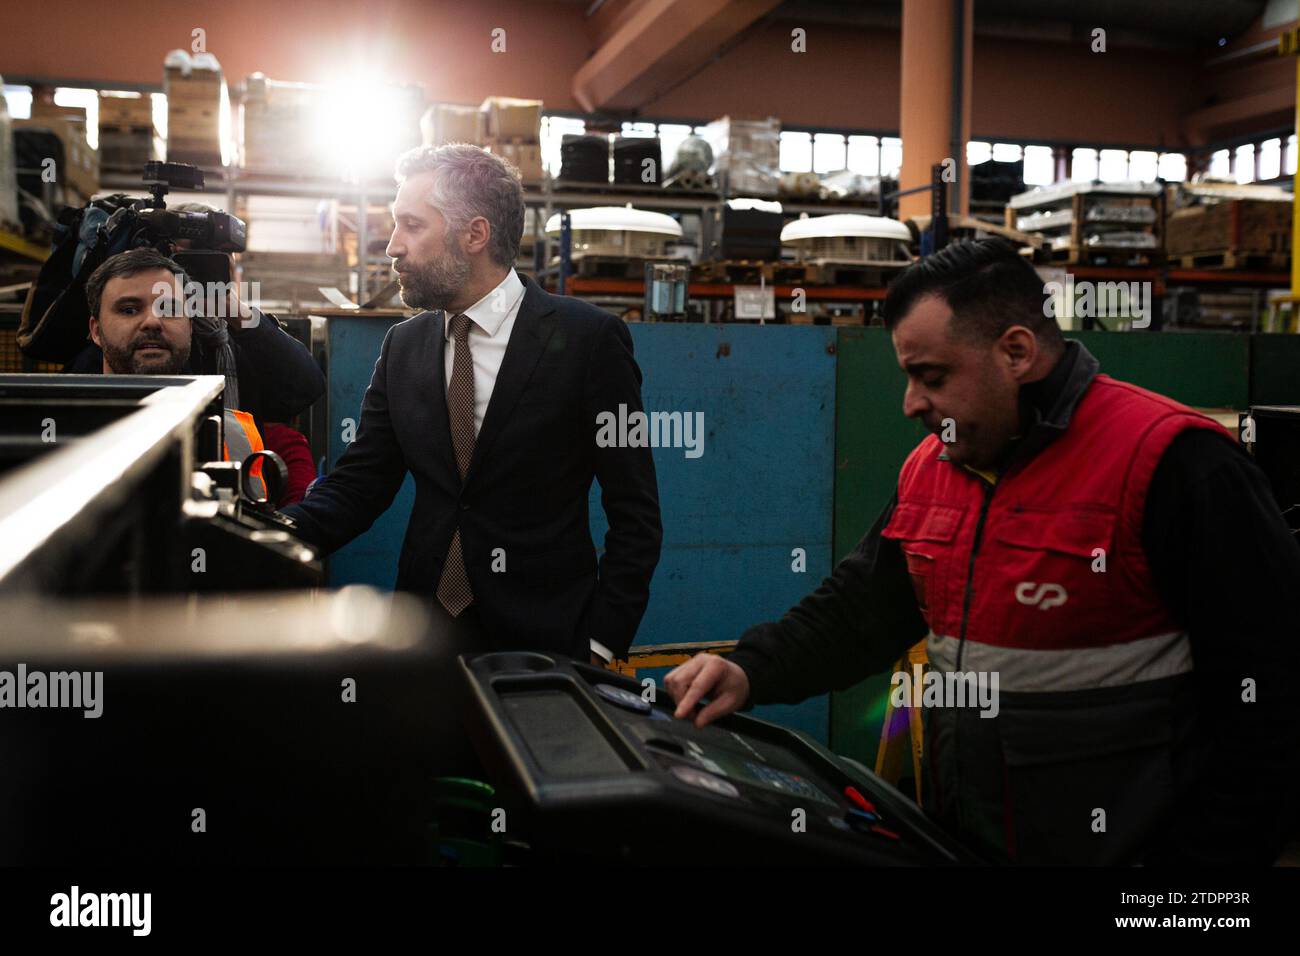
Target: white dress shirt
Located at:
point(492, 319)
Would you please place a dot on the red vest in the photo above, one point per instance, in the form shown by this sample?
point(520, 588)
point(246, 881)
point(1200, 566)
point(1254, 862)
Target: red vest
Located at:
point(1035, 579)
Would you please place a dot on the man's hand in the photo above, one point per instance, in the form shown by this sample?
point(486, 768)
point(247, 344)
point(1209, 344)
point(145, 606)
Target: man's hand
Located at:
point(238, 313)
point(709, 674)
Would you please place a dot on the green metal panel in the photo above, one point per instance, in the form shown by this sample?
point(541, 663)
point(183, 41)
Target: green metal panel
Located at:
point(1275, 369)
point(1202, 369)
point(872, 438)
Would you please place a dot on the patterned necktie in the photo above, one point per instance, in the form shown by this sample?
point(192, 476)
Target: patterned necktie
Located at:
point(454, 592)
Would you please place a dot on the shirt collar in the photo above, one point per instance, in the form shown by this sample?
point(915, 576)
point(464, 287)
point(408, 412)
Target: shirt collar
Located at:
point(490, 311)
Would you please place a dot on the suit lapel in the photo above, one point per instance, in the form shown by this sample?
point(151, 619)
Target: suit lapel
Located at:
point(533, 327)
point(435, 389)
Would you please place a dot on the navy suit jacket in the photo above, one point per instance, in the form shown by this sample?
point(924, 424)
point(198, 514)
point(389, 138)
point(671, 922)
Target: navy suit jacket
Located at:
point(522, 509)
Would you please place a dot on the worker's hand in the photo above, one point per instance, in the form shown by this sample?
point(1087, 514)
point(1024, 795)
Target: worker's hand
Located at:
point(708, 674)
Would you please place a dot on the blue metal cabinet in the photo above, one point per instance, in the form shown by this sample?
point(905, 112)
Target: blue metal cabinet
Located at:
point(354, 345)
point(762, 487)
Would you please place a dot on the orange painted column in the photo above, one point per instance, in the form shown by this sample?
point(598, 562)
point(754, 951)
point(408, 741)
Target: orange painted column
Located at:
point(929, 63)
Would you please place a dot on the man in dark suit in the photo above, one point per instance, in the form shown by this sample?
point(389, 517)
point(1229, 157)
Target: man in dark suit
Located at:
point(490, 400)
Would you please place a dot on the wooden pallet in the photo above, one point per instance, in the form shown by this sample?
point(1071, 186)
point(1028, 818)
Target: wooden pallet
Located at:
point(799, 274)
point(867, 275)
point(1103, 256)
point(1234, 259)
point(618, 193)
point(733, 271)
point(1242, 227)
point(142, 129)
point(611, 267)
point(788, 273)
point(128, 148)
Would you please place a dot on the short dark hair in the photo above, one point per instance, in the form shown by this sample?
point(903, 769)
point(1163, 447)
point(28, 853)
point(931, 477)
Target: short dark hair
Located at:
point(988, 285)
point(126, 264)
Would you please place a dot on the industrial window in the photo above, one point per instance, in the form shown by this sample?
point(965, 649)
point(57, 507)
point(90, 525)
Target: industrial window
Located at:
point(828, 153)
point(1270, 159)
point(1112, 165)
point(1040, 168)
point(1083, 165)
point(1172, 167)
point(864, 155)
point(978, 152)
point(19, 101)
point(1143, 165)
point(640, 130)
point(87, 100)
point(1288, 165)
point(1006, 153)
point(1246, 163)
point(796, 152)
point(1219, 164)
point(554, 129)
point(671, 137)
point(891, 155)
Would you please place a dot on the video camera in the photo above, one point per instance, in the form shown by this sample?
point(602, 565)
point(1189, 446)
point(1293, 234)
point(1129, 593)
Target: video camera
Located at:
point(214, 231)
point(210, 235)
point(53, 327)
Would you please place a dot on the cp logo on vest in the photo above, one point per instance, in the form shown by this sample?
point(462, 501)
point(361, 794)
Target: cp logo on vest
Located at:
point(1041, 595)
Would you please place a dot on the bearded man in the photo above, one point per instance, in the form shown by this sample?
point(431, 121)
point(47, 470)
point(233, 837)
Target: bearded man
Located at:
point(490, 399)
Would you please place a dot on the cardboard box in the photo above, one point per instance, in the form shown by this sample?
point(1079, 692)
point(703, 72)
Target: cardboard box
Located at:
point(527, 157)
point(126, 111)
point(444, 123)
point(1244, 226)
point(196, 103)
point(129, 148)
point(746, 155)
point(79, 171)
point(280, 127)
point(294, 277)
point(277, 124)
point(505, 118)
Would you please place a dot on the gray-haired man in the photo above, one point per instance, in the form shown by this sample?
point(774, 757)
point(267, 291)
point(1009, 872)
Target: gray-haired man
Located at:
point(490, 400)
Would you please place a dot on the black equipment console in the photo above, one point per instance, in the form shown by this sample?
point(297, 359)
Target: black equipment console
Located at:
point(598, 769)
point(1275, 446)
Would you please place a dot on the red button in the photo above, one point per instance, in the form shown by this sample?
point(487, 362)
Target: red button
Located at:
point(862, 802)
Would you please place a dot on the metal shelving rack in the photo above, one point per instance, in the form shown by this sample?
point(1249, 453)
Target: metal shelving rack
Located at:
point(233, 182)
point(548, 197)
point(555, 195)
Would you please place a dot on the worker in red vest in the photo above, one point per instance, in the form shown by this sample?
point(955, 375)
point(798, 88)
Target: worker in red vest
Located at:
point(139, 320)
point(1105, 584)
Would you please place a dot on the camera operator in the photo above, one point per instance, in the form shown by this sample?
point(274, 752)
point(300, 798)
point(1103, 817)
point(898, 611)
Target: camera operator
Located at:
point(277, 378)
point(270, 374)
point(140, 326)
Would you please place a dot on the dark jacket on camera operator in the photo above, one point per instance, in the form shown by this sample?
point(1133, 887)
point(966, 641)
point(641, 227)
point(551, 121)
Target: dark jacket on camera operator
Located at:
point(278, 378)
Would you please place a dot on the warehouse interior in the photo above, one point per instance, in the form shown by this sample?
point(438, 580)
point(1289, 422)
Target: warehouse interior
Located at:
point(738, 182)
